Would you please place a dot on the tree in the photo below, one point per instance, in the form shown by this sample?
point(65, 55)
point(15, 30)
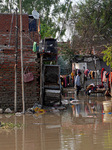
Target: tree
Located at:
point(108, 56)
point(92, 18)
point(66, 51)
point(0, 4)
point(52, 13)
point(108, 59)
point(8, 6)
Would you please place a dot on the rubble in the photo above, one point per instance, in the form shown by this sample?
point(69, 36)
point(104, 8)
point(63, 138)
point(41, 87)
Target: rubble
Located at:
point(8, 110)
point(1, 110)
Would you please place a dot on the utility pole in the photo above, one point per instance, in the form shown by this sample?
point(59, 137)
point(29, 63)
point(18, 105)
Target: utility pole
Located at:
point(16, 49)
point(21, 47)
point(41, 79)
point(95, 60)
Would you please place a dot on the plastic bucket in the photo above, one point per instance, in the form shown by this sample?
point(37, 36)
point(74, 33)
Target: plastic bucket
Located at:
point(107, 105)
point(107, 118)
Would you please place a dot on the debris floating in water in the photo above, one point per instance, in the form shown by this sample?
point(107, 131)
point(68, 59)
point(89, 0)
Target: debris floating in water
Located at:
point(9, 125)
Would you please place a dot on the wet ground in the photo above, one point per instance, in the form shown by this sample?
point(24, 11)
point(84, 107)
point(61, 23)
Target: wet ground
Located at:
point(83, 125)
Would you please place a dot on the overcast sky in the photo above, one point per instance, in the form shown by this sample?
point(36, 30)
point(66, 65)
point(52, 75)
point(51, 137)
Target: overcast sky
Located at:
point(68, 34)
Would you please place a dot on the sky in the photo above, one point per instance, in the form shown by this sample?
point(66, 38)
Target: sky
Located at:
point(68, 34)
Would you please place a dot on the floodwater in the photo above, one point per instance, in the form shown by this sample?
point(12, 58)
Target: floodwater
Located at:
point(82, 126)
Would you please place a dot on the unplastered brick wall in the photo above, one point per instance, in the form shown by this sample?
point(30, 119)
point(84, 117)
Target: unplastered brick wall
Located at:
point(8, 31)
point(7, 62)
point(7, 79)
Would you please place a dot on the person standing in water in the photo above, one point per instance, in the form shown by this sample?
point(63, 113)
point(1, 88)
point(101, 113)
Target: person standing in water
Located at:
point(78, 83)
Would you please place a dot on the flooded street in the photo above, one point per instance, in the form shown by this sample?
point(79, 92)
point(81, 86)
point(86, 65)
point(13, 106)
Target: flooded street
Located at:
point(82, 126)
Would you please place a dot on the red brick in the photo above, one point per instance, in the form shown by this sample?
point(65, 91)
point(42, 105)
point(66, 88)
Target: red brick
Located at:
point(7, 72)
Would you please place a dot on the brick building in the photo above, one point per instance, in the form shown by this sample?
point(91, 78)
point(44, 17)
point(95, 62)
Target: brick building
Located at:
point(8, 59)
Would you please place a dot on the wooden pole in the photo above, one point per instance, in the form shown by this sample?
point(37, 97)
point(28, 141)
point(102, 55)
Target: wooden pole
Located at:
point(95, 65)
point(95, 61)
point(41, 81)
point(21, 47)
point(16, 49)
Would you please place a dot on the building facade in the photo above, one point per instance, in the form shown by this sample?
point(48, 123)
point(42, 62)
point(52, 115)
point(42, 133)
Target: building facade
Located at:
point(9, 58)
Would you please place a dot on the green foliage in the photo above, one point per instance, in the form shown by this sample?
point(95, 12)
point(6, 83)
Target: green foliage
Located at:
point(108, 56)
point(93, 18)
point(9, 125)
point(8, 6)
point(66, 51)
point(49, 10)
point(65, 65)
point(1, 4)
point(45, 31)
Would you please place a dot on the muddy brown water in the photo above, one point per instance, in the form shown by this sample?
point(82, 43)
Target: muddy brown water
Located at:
point(82, 126)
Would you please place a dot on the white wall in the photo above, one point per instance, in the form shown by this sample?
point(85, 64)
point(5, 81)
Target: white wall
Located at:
point(79, 66)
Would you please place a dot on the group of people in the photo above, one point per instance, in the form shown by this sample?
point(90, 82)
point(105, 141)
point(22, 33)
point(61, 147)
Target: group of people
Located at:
point(104, 77)
point(77, 80)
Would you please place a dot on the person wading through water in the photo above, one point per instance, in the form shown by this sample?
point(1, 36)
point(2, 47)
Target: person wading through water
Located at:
point(78, 83)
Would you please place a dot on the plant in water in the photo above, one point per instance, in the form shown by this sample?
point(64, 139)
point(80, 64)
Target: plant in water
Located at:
point(9, 125)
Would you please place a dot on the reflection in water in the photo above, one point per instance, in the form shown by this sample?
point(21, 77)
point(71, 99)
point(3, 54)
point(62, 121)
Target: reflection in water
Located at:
point(16, 135)
point(84, 125)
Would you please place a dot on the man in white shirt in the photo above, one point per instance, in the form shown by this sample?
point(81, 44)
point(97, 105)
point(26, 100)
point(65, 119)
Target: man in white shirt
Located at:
point(78, 82)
